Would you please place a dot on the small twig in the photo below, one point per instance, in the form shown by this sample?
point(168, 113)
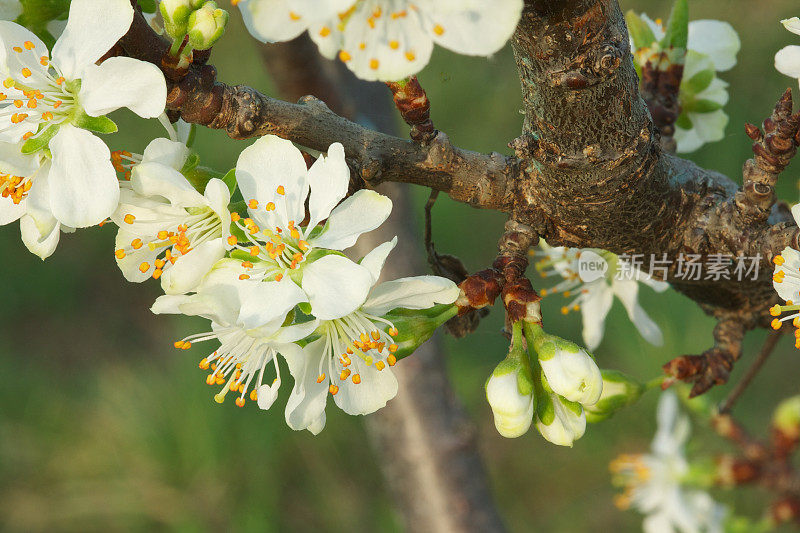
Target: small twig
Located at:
point(432, 259)
point(766, 350)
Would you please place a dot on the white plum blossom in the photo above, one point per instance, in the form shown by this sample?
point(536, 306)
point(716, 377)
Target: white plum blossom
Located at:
point(356, 347)
point(386, 40)
point(787, 60)
point(10, 9)
point(712, 47)
point(247, 319)
point(167, 229)
point(46, 101)
point(275, 183)
point(594, 297)
point(653, 482)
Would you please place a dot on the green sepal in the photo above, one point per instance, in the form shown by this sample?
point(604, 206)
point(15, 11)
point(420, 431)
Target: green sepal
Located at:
point(240, 255)
point(684, 122)
point(415, 326)
point(628, 392)
point(305, 307)
point(698, 83)
point(701, 105)
point(640, 30)
point(40, 141)
point(100, 124)
point(230, 180)
point(677, 34)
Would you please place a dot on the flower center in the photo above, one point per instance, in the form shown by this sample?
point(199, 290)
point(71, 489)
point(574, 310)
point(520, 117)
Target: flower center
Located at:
point(356, 335)
point(179, 236)
point(15, 187)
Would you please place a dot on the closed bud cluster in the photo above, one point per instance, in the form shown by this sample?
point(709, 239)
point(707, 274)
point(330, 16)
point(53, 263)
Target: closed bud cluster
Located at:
point(206, 25)
point(568, 382)
point(619, 390)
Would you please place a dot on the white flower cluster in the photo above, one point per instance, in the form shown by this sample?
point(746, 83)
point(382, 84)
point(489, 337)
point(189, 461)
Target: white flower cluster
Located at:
point(285, 288)
point(386, 40)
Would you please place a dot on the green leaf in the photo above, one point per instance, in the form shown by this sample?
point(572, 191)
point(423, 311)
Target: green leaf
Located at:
point(96, 124)
point(640, 31)
point(39, 142)
point(698, 83)
point(677, 35)
point(148, 6)
point(230, 180)
point(702, 106)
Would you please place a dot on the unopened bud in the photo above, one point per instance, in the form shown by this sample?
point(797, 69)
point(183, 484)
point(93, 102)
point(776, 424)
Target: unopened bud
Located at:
point(416, 326)
point(206, 26)
point(570, 371)
point(560, 421)
point(619, 390)
point(176, 15)
point(510, 390)
point(786, 417)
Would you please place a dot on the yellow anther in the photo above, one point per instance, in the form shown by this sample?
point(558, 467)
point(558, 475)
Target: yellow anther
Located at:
point(280, 190)
point(232, 240)
point(333, 389)
point(438, 30)
point(120, 254)
point(128, 219)
point(776, 324)
point(240, 402)
point(775, 310)
point(356, 379)
point(144, 267)
point(778, 260)
point(321, 378)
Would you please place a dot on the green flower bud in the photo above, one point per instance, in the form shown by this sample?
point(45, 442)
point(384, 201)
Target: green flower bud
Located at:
point(786, 417)
point(176, 15)
point(619, 390)
point(206, 26)
point(416, 326)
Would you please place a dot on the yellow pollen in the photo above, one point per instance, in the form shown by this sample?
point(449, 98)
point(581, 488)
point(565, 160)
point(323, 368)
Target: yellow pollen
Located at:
point(779, 260)
point(204, 364)
point(232, 240)
point(356, 379)
point(28, 45)
point(333, 389)
point(321, 378)
point(244, 276)
point(438, 30)
point(136, 243)
point(394, 45)
point(775, 310)
point(26, 72)
point(393, 331)
point(253, 395)
point(240, 402)
point(392, 360)
point(325, 31)
point(144, 267)
point(235, 217)
point(380, 365)
point(776, 324)
point(344, 56)
point(399, 14)
point(129, 218)
point(253, 204)
point(44, 61)
point(178, 344)
point(280, 190)
point(294, 16)
point(374, 64)
point(270, 206)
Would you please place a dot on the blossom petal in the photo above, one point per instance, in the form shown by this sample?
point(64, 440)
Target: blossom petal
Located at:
point(264, 302)
point(123, 82)
point(628, 293)
point(336, 286)
point(376, 258)
point(273, 21)
point(792, 24)
point(594, 309)
point(375, 389)
point(13, 36)
point(267, 164)
point(40, 236)
point(84, 189)
point(156, 180)
point(473, 27)
point(10, 9)
point(362, 212)
point(92, 30)
point(170, 153)
point(308, 398)
point(329, 179)
point(710, 126)
point(787, 61)
point(688, 140)
point(420, 292)
point(190, 268)
point(716, 39)
point(130, 263)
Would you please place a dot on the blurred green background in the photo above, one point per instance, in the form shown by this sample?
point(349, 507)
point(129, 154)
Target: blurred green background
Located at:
point(104, 426)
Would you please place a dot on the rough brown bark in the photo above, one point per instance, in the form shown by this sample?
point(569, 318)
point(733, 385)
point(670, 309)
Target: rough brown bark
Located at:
point(423, 440)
